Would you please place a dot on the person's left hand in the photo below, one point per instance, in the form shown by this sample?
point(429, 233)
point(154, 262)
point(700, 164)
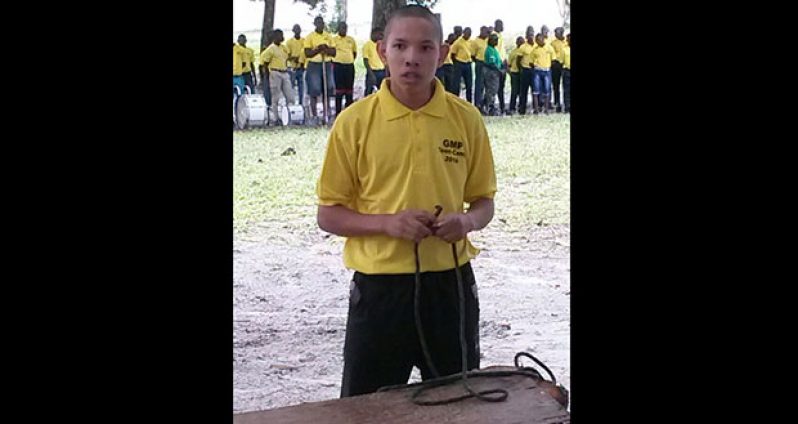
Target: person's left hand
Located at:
point(452, 227)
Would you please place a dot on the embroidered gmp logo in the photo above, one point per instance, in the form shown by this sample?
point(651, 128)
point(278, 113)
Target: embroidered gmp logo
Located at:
point(451, 150)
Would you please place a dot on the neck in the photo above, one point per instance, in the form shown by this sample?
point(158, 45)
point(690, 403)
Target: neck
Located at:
point(413, 97)
point(320, 30)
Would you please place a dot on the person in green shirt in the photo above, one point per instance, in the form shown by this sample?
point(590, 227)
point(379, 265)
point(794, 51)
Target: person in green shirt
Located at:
point(492, 74)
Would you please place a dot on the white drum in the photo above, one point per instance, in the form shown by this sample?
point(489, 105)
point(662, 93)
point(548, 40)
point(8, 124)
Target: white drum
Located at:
point(251, 111)
point(292, 115)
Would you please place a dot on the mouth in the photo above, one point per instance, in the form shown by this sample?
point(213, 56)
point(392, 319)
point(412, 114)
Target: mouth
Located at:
point(410, 76)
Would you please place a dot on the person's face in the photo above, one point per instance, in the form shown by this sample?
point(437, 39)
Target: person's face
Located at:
point(451, 39)
point(493, 40)
point(467, 33)
point(558, 33)
point(530, 39)
point(278, 38)
point(519, 41)
point(412, 52)
point(297, 31)
point(499, 25)
point(483, 32)
point(458, 31)
point(539, 39)
point(242, 40)
point(376, 36)
point(342, 29)
point(530, 31)
point(318, 23)
point(544, 30)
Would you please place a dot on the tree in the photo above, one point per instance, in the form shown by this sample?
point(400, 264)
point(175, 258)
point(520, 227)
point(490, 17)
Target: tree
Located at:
point(382, 9)
point(564, 7)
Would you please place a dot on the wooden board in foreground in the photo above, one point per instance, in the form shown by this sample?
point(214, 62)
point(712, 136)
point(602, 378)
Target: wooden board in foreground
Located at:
point(527, 403)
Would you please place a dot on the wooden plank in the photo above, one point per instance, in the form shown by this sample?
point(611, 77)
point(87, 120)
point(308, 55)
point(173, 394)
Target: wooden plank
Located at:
point(527, 403)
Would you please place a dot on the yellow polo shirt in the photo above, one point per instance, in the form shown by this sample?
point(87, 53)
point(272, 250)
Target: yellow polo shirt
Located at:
point(345, 48)
point(370, 53)
point(276, 56)
point(541, 57)
point(478, 47)
point(296, 48)
point(383, 158)
point(314, 39)
point(238, 60)
point(525, 52)
point(566, 57)
point(448, 59)
point(500, 46)
point(512, 59)
point(557, 45)
point(462, 50)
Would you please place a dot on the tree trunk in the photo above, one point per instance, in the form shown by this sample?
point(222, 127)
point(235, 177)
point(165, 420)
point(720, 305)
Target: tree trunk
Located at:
point(268, 23)
point(382, 9)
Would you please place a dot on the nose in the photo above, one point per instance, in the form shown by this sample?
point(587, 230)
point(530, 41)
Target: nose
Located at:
point(411, 58)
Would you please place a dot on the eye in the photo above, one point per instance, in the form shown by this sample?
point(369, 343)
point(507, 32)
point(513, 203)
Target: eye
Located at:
point(399, 46)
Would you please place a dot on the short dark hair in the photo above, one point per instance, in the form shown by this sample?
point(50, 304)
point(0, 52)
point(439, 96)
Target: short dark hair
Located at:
point(415, 11)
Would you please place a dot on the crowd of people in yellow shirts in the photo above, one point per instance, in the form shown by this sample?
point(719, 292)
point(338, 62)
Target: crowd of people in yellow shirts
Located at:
point(475, 67)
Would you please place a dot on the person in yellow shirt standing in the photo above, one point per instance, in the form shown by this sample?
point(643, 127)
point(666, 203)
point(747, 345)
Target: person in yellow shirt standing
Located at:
point(390, 159)
point(319, 47)
point(447, 68)
point(478, 46)
point(248, 63)
point(515, 74)
point(566, 75)
point(238, 79)
point(275, 59)
point(344, 67)
point(541, 58)
point(461, 57)
point(375, 69)
point(296, 63)
point(523, 63)
point(556, 66)
point(498, 29)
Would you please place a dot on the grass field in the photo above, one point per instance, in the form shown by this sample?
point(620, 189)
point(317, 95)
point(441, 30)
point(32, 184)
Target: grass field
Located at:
point(531, 154)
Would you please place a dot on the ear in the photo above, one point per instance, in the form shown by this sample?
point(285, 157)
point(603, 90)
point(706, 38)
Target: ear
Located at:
point(444, 52)
point(381, 51)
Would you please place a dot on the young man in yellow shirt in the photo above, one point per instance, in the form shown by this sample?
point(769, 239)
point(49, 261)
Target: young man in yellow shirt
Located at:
point(446, 71)
point(319, 47)
point(375, 69)
point(275, 60)
point(541, 58)
point(248, 59)
point(566, 75)
point(515, 75)
point(461, 58)
point(478, 46)
point(498, 29)
point(344, 67)
point(556, 66)
point(527, 76)
point(296, 62)
point(390, 159)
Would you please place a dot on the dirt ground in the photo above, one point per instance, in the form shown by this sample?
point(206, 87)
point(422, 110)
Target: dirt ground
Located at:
point(290, 297)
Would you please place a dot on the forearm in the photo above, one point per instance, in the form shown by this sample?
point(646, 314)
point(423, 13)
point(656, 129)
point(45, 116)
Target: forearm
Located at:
point(345, 222)
point(480, 213)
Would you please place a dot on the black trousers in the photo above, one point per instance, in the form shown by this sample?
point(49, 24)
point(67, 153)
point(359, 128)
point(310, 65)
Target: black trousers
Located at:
point(515, 89)
point(526, 84)
point(556, 76)
point(502, 81)
point(344, 77)
point(382, 346)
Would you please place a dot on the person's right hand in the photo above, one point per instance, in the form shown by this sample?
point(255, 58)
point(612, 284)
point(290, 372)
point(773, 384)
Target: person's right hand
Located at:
point(410, 224)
